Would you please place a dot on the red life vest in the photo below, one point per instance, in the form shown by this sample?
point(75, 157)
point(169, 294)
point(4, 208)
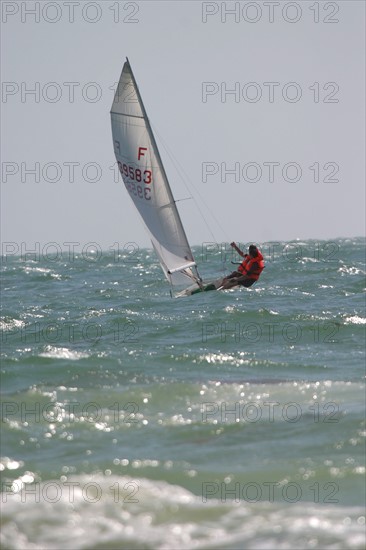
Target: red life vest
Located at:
point(248, 262)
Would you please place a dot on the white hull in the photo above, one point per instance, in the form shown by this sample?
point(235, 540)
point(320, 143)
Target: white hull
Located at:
point(206, 286)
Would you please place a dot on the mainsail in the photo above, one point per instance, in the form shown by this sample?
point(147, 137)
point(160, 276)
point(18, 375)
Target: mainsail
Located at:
point(145, 179)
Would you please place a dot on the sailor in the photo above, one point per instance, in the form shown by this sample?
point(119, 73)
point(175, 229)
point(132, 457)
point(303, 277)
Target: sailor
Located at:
point(248, 271)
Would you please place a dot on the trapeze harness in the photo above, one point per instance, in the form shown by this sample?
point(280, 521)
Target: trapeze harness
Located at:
point(248, 262)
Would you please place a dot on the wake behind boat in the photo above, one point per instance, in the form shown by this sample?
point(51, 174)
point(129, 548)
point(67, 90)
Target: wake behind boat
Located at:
point(143, 173)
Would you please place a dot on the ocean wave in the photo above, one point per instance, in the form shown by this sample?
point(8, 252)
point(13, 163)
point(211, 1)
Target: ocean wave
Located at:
point(107, 511)
point(8, 325)
point(63, 353)
point(355, 320)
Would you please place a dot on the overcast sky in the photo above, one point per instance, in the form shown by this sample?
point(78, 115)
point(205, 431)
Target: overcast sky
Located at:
point(280, 157)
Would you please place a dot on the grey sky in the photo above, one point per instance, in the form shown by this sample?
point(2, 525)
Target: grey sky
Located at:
point(173, 53)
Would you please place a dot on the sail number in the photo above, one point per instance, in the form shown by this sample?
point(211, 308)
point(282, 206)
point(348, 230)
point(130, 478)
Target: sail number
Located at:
point(133, 175)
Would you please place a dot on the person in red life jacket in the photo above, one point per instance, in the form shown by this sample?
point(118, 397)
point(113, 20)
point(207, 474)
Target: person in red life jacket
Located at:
point(248, 271)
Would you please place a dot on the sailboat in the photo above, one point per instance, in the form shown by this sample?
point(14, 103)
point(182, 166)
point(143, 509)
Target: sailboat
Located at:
point(143, 174)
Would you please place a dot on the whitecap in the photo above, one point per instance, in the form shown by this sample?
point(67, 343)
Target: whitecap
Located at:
point(129, 512)
point(10, 325)
point(355, 320)
point(63, 353)
point(350, 270)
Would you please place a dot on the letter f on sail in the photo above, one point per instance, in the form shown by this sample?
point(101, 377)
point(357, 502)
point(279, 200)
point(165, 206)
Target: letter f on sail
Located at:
point(141, 154)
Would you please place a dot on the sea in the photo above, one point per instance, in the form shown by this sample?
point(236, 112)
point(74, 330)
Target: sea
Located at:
point(133, 419)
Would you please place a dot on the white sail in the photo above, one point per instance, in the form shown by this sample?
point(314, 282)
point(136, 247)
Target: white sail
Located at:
point(143, 174)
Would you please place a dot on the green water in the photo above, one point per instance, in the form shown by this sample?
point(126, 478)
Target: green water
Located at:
point(228, 419)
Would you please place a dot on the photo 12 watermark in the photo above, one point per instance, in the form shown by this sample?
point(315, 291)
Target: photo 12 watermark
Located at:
point(72, 92)
point(270, 92)
point(269, 411)
point(271, 491)
point(68, 491)
point(271, 332)
point(270, 12)
point(61, 12)
point(292, 252)
point(70, 171)
point(70, 251)
point(270, 172)
point(69, 332)
point(73, 412)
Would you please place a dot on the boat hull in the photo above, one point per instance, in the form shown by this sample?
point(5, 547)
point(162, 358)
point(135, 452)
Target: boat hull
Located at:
point(206, 287)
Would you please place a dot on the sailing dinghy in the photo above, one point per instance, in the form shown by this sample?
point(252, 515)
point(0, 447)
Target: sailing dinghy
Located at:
point(143, 174)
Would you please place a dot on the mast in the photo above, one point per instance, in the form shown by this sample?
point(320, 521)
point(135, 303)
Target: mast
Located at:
point(161, 165)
